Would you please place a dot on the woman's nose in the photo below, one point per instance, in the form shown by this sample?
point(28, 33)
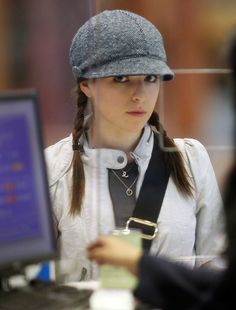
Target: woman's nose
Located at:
point(139, 93)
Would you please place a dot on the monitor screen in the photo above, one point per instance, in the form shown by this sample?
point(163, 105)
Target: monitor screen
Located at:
point(26, 233)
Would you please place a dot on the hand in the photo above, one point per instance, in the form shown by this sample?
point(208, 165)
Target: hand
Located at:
point(113, 251)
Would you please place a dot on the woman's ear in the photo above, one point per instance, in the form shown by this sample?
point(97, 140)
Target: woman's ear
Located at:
point(84, 86)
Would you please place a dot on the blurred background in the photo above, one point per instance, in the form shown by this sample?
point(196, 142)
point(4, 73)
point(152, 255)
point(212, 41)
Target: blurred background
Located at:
point(35, 38)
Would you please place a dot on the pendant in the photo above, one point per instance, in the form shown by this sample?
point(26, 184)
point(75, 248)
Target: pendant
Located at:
point(129, 192)
point(124, 175)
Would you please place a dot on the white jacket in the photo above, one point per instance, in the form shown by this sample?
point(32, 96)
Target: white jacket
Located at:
point(188, 226)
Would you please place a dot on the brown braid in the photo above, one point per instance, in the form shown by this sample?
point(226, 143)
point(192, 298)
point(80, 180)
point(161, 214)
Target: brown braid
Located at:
point(173, 159)
point(78, 179)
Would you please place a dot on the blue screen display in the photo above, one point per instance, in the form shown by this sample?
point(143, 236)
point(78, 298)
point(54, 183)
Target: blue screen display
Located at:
point(18, 200)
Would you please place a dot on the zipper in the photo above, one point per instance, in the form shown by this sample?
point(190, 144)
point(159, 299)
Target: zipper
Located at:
point(83, 274)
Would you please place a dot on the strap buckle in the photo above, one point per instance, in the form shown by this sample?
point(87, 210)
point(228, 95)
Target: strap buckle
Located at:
point(143, 222)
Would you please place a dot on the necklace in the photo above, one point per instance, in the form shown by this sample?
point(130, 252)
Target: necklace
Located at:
point(124, 172)
point(129, 191)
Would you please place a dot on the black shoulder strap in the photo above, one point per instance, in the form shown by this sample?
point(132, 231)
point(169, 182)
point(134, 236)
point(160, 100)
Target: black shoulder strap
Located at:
point(151, 194)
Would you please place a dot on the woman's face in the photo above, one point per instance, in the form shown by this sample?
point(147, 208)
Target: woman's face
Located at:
point(122, 103)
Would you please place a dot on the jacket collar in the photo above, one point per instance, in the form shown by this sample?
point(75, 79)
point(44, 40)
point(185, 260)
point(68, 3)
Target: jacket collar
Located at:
point(117, 159)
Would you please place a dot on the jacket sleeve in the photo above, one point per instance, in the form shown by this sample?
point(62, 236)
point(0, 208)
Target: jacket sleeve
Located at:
point(58, 159)
point(167, 285)
point(209, 205)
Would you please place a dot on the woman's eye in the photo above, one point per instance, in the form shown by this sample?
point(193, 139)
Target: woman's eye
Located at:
point(151, 78)
point(121, 79)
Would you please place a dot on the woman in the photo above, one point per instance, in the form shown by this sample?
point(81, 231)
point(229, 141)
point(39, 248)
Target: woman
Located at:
point(167, 285)
point(112, 163)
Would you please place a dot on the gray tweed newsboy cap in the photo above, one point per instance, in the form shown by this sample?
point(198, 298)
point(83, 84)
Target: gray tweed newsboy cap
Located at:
point(115, 43)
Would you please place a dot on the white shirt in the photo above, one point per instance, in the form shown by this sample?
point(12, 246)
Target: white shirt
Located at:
point(188, 226)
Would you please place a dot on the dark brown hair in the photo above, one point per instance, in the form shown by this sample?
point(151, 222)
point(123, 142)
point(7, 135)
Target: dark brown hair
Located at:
point(78, 179)
point(173, 159)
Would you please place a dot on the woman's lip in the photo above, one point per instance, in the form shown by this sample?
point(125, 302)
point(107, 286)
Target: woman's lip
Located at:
point(136, 113)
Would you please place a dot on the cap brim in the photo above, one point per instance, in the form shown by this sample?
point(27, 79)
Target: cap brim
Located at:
point(128, 66)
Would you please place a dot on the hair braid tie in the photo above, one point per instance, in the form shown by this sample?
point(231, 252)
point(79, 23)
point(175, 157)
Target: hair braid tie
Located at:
point(77, 147)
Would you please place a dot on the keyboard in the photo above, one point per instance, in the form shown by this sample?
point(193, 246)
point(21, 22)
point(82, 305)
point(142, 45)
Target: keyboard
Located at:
point(46, 297)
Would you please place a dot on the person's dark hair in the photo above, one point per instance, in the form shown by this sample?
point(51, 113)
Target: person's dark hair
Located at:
point(78, 179)
point(173, 159)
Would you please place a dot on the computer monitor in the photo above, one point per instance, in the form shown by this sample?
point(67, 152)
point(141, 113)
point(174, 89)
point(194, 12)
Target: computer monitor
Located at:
point(26, 230)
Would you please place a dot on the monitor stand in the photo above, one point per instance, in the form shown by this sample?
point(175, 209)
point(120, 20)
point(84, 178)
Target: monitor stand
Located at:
point(5, 283)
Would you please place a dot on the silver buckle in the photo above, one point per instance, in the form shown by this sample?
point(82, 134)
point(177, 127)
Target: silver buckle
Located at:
point(144, 222)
